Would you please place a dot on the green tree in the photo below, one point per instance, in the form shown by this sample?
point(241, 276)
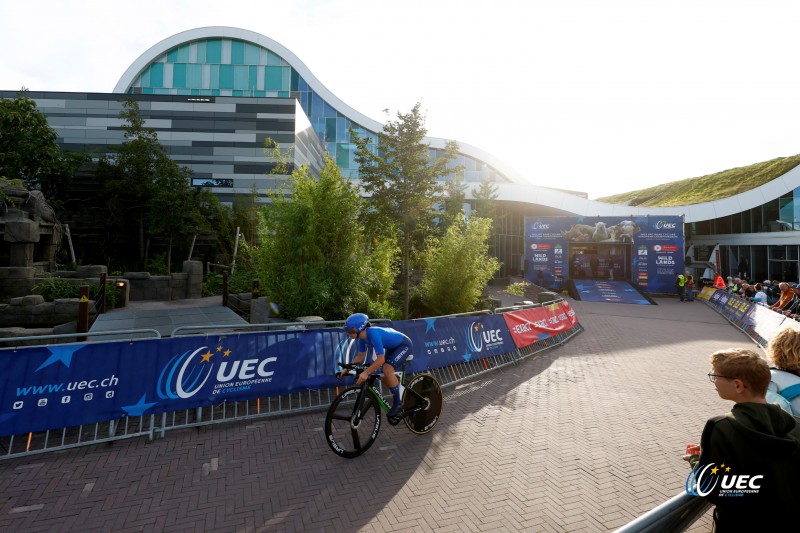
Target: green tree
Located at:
point(401, 181)
point(457, 268)
point(381, 270)
point(177, 211)
point(311, 257)
point(29, 151)
point(485, 196)
point(146, 189)
point(452, 206)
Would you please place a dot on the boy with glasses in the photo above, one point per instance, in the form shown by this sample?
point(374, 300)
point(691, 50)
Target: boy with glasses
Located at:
point(749, 459)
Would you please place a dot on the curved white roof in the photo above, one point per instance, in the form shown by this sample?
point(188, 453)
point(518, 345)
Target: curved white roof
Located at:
point(520, 190)
point(157, 50)
point(692, 213)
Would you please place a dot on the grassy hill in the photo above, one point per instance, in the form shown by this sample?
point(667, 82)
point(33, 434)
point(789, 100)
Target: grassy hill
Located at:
point(707, 188)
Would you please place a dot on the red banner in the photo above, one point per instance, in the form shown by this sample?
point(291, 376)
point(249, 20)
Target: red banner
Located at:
point(530, 325)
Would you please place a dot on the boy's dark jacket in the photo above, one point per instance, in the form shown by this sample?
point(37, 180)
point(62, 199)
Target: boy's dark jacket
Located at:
point(753, 440)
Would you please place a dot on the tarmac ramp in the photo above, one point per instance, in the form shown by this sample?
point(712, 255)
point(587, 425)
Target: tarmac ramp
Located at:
point(597, 290)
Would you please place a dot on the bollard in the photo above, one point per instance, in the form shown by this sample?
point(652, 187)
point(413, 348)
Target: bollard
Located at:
point(83, 312)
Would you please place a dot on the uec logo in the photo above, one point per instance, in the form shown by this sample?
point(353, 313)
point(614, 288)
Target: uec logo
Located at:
point(663, 224)
point(185, 374)
point(477, 334)
point(699, 484)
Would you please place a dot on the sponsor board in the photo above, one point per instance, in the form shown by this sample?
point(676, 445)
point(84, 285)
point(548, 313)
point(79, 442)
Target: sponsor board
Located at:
point(527, 326)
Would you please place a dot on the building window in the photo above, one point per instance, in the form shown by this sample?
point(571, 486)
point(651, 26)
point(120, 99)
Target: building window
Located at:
point(212, 182)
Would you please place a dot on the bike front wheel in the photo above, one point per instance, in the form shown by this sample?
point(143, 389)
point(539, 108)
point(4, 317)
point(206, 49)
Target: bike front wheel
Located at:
point(427, 387)
point(345, 438)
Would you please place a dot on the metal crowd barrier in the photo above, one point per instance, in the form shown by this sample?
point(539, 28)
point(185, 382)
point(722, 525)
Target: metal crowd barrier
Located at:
point(673, 516)
point(156, 425)
point(11, 341)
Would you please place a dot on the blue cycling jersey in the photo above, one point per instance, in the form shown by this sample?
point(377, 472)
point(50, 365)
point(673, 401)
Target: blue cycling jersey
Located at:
point(382, 339)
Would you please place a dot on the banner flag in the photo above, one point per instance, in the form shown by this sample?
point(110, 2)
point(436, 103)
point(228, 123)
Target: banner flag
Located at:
point(530, 325)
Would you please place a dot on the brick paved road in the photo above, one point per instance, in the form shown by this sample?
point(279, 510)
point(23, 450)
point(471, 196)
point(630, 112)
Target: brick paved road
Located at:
point(582, 438)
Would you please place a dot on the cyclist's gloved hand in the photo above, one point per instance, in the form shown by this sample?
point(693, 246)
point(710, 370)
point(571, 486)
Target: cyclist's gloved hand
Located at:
point(346, 370)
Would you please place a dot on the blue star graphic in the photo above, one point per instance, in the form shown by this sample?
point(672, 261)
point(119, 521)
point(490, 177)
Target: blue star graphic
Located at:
point(61, 353)
point(430, 324)
point(139, 407)
point(467, 356)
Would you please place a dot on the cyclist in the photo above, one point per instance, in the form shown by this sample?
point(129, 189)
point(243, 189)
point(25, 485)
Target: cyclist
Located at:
point(391, 349)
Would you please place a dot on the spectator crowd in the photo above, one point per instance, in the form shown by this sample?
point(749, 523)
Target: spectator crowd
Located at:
point(780, 296)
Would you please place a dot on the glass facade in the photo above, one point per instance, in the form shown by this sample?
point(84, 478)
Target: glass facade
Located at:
point(780, 214)
point(767, 261)
point(231, 67)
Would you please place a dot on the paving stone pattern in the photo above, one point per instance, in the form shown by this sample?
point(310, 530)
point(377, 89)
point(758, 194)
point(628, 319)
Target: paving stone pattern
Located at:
point(581, 438)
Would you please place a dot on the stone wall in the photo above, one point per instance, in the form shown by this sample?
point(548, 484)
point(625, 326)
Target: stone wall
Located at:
point(177, 286)
point(33, 312)
point(30, 234)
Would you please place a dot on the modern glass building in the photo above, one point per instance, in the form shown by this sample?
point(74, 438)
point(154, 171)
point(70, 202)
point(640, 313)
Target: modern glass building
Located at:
point(215, 94)
point(223, 61)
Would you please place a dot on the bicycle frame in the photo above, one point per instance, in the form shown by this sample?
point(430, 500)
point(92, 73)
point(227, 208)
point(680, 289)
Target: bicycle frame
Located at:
point(353, 420)
point(369, 387)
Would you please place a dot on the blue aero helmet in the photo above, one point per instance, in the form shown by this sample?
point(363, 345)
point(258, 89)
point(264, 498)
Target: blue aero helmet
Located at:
point(356, 323)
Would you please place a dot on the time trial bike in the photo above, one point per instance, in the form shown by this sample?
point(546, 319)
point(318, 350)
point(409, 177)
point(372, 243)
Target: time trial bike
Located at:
point(354, 417)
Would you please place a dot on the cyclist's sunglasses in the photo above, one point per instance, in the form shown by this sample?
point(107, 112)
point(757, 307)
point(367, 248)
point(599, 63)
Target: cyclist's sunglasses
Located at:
point(352, 331)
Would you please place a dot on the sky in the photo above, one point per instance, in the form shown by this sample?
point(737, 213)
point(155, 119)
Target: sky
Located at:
point(598, 96)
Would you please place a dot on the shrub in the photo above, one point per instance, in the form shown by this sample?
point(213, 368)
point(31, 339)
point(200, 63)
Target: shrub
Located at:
point(517, 289)
point(54, 288)
point(457, 268)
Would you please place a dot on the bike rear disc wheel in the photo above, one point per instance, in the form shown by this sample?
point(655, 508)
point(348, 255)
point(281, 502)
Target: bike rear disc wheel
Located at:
point(345, 439)
point(428, 387)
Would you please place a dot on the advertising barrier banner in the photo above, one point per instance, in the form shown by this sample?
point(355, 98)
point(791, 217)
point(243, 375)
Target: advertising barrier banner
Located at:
point(731, 306)
point(48, 387)
point(447, 341)
point(706, 293)
point(757, 319)
point(72, 384)
point(527, 326)
point(766, 323)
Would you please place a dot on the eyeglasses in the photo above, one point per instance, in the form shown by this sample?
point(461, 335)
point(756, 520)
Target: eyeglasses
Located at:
point(352, 331)
point(713, 377)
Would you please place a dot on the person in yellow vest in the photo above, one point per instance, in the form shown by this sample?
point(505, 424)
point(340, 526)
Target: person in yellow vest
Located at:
point(680, 284)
